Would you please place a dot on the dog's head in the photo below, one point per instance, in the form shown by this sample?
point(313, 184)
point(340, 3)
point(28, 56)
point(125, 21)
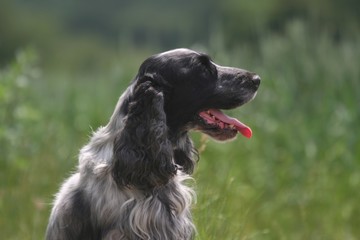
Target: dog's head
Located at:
point(174, 92)
point(195, 89)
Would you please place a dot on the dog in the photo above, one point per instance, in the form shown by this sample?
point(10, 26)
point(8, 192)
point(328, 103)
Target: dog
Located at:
point(131, 181)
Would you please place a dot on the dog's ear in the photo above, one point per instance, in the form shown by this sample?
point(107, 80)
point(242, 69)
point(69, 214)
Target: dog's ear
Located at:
point(143, 155)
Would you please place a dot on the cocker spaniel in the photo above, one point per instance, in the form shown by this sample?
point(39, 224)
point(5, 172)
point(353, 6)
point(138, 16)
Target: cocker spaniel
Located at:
point(130, 178)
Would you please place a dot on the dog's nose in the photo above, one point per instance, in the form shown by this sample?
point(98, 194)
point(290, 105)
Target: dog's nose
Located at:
point(256, 80)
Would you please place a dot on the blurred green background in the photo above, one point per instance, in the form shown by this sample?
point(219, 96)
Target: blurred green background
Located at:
point(63, 65)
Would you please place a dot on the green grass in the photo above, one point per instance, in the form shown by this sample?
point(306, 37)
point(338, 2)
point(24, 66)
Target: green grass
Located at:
point(297, 178)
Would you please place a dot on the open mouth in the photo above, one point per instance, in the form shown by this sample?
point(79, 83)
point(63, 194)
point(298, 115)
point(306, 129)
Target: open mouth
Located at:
point(220, 126)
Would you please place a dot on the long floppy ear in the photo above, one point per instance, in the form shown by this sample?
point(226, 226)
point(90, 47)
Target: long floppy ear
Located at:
point(143, 155)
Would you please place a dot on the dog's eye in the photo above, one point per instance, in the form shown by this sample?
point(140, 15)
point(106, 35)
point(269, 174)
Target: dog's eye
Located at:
point(205, 61)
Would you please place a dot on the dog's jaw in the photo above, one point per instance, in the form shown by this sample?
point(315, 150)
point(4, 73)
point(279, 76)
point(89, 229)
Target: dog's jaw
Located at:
point(220, 120)
point(219, 126)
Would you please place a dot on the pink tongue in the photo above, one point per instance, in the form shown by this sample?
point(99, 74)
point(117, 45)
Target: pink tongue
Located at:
point(242, 128)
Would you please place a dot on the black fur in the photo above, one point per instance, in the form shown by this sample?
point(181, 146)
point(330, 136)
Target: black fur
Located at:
point(143, 154)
